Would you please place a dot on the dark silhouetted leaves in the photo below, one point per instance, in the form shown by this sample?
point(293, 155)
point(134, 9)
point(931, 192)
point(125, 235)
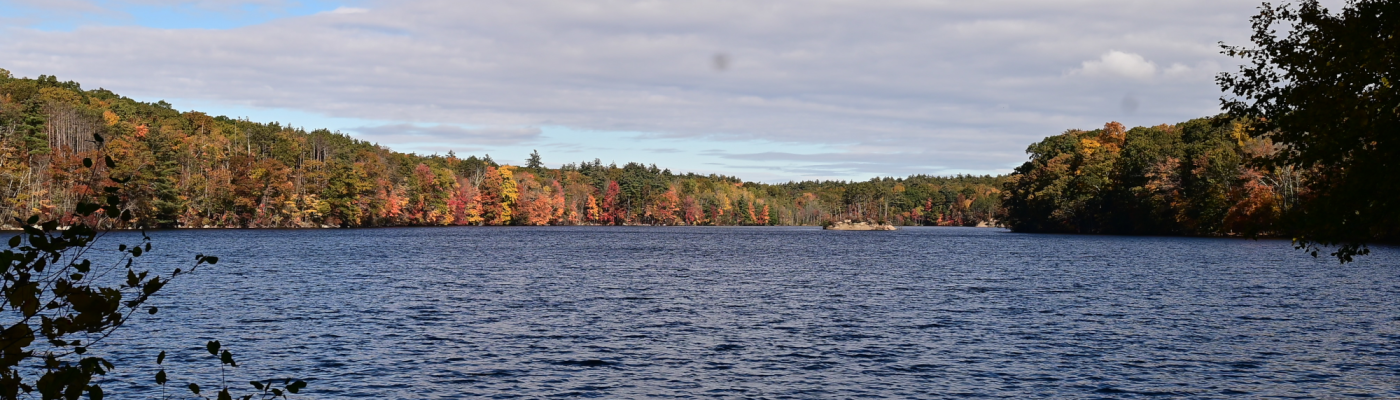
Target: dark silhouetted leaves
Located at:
point(227, 358)
point(296, 387)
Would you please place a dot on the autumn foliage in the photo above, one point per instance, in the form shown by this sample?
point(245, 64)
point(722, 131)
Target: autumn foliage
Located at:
point(189, 169)
point(1201, 177)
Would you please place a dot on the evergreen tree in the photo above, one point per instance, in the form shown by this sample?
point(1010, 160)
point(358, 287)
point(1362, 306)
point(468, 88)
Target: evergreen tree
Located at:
point(534, 161)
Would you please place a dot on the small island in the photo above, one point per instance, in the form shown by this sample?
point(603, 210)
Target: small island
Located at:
point(847, 225)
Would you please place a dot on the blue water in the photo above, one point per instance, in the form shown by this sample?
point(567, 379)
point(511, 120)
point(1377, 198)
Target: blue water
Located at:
point(695, 312)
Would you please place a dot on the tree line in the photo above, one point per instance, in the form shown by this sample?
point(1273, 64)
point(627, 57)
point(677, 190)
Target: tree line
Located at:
point(1201, 177)
point(190, 169)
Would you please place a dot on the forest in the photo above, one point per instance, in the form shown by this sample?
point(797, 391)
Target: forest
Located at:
point(1203, 177)
point(192, 170)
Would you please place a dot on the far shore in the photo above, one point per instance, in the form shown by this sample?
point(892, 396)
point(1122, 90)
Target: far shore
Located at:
point(11, 228)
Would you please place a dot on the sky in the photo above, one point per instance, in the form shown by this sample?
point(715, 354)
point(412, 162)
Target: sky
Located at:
point(765, 90)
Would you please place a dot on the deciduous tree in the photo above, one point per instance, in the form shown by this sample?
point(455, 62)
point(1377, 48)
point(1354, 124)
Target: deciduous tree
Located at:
point(1323, 86)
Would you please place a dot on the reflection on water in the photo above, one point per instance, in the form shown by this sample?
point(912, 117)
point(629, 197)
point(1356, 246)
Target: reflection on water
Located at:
point(774, 313)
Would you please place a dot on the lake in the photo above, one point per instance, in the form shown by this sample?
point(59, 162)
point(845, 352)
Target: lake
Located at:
point(767, 312)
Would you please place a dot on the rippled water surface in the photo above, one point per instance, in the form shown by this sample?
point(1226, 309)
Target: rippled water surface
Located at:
point(690, 312)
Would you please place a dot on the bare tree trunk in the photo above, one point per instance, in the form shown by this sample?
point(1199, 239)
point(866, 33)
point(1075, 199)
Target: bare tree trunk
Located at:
point(69, 129)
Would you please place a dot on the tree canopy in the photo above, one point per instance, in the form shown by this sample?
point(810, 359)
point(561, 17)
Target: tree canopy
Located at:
point(1191, 178)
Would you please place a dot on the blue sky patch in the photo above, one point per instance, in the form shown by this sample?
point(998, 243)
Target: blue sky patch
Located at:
point(70, 15)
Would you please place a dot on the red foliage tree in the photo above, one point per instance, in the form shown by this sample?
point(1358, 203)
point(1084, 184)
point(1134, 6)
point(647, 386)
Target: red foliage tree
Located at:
point(613, 213)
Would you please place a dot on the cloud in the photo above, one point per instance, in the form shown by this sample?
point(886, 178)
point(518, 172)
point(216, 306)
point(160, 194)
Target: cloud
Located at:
point(1117, 63)
point(1177, 70)
point(966, 85)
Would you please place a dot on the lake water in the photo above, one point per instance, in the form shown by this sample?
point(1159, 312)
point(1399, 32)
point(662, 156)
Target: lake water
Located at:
point(700, 312)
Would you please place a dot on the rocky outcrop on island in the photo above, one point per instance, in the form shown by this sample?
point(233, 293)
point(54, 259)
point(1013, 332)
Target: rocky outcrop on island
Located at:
point(857, 226)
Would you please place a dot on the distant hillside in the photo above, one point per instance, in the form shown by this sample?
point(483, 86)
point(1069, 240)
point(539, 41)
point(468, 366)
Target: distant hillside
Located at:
point(194, 170)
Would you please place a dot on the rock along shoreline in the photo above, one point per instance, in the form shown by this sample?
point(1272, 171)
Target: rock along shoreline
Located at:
point(858, 226)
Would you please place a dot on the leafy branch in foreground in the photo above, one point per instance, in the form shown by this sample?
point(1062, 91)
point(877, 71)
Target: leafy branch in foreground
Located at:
point(58, 303)
point(1325, 91)
point(266, 389)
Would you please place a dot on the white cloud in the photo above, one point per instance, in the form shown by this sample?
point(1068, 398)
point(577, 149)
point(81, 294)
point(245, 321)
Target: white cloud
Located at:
point(1177, 69)
point(1120, 64)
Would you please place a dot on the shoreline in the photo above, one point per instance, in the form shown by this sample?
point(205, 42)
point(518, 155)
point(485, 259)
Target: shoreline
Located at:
point(16, 229)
